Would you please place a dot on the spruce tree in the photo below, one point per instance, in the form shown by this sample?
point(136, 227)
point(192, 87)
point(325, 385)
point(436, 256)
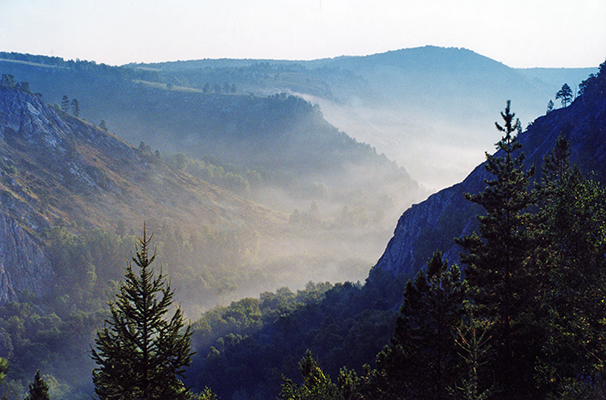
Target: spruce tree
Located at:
point(572, 248)
point(421, 359)
point(38, 389)
point(502, 284)
point(140, 353)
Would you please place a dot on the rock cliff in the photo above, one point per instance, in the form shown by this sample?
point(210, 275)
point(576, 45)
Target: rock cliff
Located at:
point(433, 224)
point(56, 169)
point(23, 266)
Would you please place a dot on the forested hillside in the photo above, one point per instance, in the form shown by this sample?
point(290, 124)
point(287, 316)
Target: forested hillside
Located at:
point(74, 195)
point(426, 108)
point(340, 196)
point(349, 325)
point(246, 193)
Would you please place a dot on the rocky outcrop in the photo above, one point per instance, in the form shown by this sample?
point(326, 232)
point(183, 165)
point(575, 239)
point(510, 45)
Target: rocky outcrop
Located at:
point(23, 266)
point(433, 224)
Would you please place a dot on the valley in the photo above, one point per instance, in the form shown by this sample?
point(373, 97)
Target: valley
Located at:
point(271, 189)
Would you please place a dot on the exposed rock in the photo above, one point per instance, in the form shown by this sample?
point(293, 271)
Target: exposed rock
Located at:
point(23, 266)
point(433, 224)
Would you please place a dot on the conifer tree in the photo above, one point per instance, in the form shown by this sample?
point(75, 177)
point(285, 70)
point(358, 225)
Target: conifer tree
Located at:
point(140, 353)
point(421, 358)
point(564, 94)
point(502, 285)
point(573, 217)
point(316, 384)
point(38, 389)
point(65, 103)
point(75, 107)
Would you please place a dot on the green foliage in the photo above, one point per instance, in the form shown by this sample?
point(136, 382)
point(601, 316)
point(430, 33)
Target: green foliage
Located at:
point(572, 254)
point(421, 358)
point(206, 394)
point(316, 384)
point(242, 352)
point(237, 180)
point(139, 352)
point(503, 285)
point(38, 389)
point(3, 369)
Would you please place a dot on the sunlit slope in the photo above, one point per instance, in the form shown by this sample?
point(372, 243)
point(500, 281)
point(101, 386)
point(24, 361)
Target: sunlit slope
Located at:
point(279, 135)
point(58, 169)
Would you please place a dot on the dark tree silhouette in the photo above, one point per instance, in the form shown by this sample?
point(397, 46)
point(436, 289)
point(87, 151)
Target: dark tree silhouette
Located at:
point(565, 95)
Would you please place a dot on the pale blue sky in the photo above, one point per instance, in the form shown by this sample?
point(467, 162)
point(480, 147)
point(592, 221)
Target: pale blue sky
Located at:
point(519, 33)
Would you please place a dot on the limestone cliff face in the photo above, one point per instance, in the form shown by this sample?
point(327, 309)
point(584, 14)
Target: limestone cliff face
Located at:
point(23, 266)
point(433, 224)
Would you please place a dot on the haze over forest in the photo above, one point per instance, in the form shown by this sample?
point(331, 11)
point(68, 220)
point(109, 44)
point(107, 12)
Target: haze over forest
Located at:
point(261, 180)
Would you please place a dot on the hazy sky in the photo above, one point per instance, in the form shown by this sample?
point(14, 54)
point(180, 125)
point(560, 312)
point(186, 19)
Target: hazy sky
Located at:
point(519, 33)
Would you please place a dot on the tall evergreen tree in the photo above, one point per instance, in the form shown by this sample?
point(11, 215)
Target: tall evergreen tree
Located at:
point(140, 353)
point(502, 285)
point(38, 389)
point(75, 107)
point(421, 359)
point(572, 248)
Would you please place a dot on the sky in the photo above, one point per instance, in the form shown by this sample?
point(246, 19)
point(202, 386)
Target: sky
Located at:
point(518, 33)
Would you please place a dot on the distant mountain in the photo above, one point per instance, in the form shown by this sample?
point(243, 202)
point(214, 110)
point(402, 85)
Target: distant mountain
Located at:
point(432, 108)
point(433, 224)
point(426, 108)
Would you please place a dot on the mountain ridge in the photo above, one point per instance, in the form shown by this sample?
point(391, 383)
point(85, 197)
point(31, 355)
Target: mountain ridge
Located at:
point(433, 224)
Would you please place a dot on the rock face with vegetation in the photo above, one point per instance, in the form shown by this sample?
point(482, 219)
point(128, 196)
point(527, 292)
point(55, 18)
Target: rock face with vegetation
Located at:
point(23, 266)
point(58, 171)
point(433, 224)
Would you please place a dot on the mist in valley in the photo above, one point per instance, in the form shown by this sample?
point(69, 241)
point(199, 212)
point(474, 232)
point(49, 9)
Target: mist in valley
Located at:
point(281, 175)
point(337, 148)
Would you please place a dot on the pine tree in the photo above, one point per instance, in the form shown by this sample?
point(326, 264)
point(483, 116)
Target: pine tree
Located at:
point(421, 358)
point(572, 248)
point(502, 285)
point(140, 353)
point(564, 94)
point(38, 389)
point(65, 103)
